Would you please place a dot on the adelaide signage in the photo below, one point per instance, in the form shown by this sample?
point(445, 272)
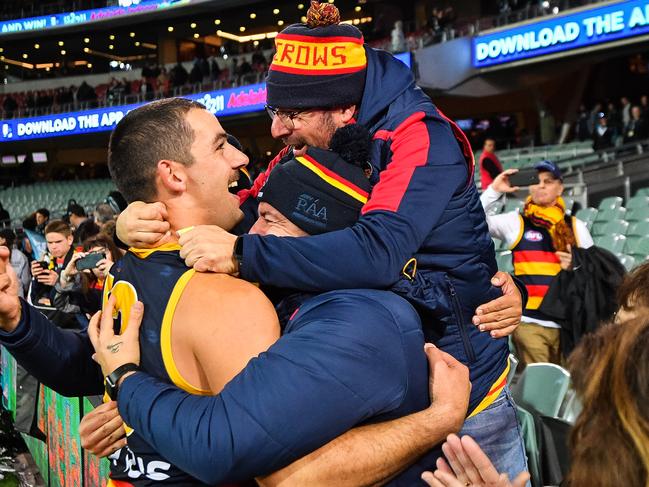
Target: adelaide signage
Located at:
point(223, 103)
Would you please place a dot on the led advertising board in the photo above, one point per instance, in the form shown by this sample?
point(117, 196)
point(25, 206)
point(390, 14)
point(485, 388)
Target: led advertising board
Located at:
point(563, 33)
point(223, 103)
point(83, 16)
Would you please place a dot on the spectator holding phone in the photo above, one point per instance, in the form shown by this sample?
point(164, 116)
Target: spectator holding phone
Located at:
point(45, 273)
point(80, 285)
point(541, 240)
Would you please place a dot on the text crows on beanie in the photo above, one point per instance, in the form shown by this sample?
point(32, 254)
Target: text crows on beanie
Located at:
point(320, 64)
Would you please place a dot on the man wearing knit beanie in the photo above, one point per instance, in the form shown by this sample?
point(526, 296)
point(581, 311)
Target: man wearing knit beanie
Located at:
point(422, 232)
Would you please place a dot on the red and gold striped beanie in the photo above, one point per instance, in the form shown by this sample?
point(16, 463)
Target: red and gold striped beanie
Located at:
point(319, 64)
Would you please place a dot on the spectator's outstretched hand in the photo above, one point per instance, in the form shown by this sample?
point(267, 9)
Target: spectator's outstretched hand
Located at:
point(468, 466)
point(143, 225)
point(9, 302)
point(113, 351)
point(501, 316)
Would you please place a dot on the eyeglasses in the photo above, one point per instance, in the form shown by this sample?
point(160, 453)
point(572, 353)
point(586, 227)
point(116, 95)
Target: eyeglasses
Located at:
point(287, 117)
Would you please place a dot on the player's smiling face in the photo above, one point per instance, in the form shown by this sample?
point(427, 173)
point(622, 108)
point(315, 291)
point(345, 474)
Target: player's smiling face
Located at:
point(215, 168)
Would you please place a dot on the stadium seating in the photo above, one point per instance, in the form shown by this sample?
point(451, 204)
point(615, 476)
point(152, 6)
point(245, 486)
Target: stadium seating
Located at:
point(638, 248)
point(611, 227)
point(609, 214)
point(587, 215)
point(638, 213)
point(23, 200)
point(542, 388)
point(613, 243)
point(610, 203)
point(638, 201)
point(627, 261)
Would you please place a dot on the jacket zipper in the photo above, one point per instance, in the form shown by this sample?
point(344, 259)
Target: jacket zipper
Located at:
point(468, 349)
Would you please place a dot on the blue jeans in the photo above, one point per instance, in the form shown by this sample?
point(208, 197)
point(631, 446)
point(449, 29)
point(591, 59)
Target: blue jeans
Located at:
point(497, 432)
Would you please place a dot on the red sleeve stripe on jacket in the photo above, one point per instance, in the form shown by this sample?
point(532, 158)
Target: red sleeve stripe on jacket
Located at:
point(410, 146)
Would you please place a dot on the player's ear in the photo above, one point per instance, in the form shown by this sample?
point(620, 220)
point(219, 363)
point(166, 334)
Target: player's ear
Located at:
point(171, 176)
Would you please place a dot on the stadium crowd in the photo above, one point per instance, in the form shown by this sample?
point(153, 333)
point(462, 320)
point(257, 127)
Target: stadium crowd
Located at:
point(379, 326)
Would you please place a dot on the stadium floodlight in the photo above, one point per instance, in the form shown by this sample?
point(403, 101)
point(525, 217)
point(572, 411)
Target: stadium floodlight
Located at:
point(300, 6)
point(217, 22)
point(170, 28)
point(193, 25)
point(242, 29)
point(280, 22)
point(276, 11)
point(86, 40)
point(37, 46)
point(132, 34)
point(357, 8)
point(61, 43)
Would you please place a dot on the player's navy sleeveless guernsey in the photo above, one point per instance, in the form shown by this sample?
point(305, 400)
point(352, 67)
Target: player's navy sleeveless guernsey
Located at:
point(157, 278)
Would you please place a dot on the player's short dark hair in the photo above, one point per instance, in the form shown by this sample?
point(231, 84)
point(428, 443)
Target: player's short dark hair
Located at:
point(146, 135)
point(43, 211)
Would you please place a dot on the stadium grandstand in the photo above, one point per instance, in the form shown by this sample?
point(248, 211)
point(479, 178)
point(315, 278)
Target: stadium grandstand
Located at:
point(560, 81)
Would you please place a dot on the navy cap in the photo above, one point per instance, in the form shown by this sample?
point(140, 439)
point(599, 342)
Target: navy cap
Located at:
point(550, 167)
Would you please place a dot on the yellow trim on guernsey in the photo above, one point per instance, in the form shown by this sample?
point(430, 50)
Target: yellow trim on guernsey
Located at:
point(537, 268)
point(144, 253)
point(493, 393)
point(165, 337)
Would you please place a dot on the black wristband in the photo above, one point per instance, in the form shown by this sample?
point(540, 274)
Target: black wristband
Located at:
point(238, 251)
point(113, 379)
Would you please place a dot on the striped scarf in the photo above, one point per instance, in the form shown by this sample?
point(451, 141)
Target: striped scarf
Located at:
point(552, 218)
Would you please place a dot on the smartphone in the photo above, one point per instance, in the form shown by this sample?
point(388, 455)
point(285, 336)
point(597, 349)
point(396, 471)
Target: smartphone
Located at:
point(90, 261)
point(524, 177)
point(44, 265)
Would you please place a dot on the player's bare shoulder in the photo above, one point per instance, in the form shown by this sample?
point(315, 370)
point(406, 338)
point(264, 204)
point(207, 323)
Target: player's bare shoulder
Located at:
point(232, 300)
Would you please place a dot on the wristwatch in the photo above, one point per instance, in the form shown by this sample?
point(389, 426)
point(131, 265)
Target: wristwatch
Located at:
point(113, 379)
point(238, 251)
